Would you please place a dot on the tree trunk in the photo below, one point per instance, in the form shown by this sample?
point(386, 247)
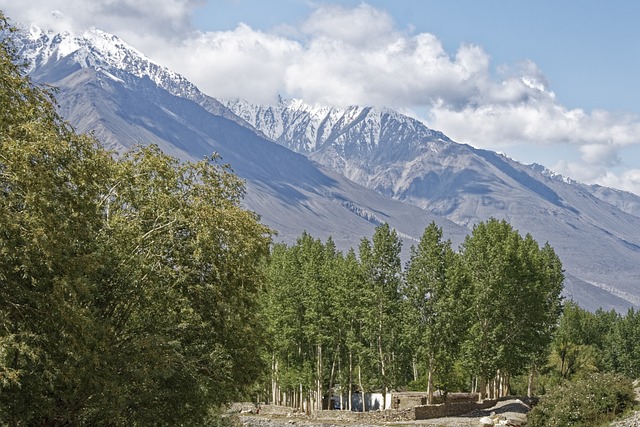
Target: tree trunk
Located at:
point(530, 382)
point(274, 381)
point(350, 398)
point(301, 399)
point(364, 404)
point(319, 379)
point(481, 388)
point(507, 385)
point(382, 369)
point(430, 383)
point(332, 375)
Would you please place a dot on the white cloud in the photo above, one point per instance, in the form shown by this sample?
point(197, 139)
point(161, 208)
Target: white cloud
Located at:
point(132, 20)
point(629, 180)
point(240, 63)
point(360, 27)
point(344, 56)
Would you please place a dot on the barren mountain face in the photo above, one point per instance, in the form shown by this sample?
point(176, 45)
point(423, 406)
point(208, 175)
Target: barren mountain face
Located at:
point(340, 172)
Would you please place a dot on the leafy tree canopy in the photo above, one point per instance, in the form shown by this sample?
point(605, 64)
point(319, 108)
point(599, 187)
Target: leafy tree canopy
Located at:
point(128, 286)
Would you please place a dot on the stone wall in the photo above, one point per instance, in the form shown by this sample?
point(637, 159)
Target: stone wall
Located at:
point(419, 412)
point(410, 399)
point(365, 417)
point(425, 412)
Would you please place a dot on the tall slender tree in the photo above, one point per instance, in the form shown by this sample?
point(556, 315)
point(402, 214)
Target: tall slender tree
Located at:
point(382, 270)
point(516, 301)
point(437, 307)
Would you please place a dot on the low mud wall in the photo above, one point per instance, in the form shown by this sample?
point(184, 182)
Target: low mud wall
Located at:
point(421, 412)
point(364, 417)
point(424, 412)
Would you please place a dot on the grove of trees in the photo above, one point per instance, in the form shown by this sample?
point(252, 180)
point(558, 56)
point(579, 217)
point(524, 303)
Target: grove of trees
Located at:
point(454, 320)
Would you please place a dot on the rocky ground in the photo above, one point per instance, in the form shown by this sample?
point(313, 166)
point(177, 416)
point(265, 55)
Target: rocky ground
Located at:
point(631, 421)
point(507, 413)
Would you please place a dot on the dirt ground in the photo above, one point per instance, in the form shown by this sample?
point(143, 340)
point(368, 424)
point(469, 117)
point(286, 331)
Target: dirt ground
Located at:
point(509, 412)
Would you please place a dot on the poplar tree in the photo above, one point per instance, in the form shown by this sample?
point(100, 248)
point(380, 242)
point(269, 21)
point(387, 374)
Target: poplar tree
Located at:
point(382, 271)
point(437, 315)
point(515, 288)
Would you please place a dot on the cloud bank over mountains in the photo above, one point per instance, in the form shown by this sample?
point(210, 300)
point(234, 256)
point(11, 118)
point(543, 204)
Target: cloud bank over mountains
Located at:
point(345, 56)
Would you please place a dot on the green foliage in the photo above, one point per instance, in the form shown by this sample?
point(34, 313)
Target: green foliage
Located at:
point(302, 305)
point(361, 322)
point(382, 271)
point(436, 314)
point(622, 345)
point(128, 286)
point(516, 299)
point(585, 402)
point(574, 348)
point(588, 342)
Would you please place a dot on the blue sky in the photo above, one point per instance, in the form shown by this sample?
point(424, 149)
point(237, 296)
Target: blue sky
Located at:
point(589, 49)
point(552, 82)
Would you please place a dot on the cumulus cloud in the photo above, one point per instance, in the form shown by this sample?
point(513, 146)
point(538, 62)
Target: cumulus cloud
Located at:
point(360, 27)
point(132, 20)
point(343, 56)
point(628, 180)
point(241, 63)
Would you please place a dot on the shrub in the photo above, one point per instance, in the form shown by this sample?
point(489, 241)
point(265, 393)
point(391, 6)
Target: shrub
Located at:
point(587, 401)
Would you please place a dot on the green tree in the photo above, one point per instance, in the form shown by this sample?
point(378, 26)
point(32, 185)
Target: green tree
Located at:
point(623, 345)
point(353, 305)
point(184, 273)
point(284, 311)
point(129, 285)
point(50, 180)
point(435, 293)
point(515, 301)
point(382, 271)
point(572, 351)
point(302, 309)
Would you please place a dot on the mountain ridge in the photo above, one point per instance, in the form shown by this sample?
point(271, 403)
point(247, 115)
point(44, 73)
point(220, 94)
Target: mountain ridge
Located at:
point(379, 166)
point(405, 160)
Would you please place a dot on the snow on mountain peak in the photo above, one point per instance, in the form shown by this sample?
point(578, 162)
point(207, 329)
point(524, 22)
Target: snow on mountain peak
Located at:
point(307, 128)
point(40, 46)
point(551, 174)
point(98, 49)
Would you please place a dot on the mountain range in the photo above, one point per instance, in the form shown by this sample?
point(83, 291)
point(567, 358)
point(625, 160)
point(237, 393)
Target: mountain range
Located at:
point(340, 172)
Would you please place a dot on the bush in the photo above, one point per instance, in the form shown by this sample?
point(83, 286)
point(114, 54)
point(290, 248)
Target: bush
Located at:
point(587, 401)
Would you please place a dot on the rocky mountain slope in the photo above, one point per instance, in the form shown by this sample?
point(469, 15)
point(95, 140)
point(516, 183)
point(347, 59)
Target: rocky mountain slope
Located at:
point(108, 88)
point(379, 166)
point(401, 158)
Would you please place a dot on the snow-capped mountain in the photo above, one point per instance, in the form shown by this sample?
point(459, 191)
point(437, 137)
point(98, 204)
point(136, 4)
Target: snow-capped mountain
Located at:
point(379, 166)
point(361, 143)
point(402, 158)
point(125, 99)
point(110, 57)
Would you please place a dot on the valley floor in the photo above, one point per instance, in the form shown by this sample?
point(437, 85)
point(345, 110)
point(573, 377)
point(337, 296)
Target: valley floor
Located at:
point(514, 411)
